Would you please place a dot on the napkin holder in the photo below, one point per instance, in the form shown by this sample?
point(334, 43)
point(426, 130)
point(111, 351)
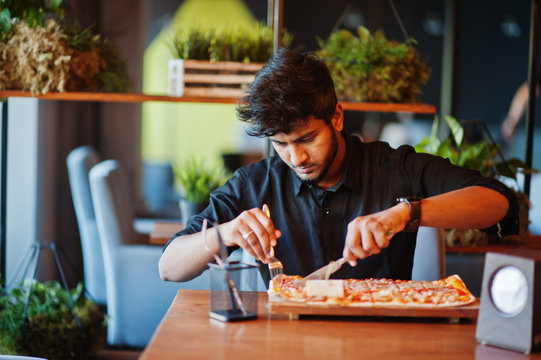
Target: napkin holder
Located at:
point(233, 291)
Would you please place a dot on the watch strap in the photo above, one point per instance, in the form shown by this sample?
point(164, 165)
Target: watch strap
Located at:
point(414, 203)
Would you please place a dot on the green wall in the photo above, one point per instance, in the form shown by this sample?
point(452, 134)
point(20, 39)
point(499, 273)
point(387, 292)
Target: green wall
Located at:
point(173, 131)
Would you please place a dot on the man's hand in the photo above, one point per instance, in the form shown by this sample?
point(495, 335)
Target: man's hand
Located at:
point(367, 235)
point(253, 231)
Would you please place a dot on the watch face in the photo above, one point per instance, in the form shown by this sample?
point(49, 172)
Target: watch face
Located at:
point(509, 290)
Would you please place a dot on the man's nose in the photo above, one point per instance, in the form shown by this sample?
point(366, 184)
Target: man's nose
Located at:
point(297, 155)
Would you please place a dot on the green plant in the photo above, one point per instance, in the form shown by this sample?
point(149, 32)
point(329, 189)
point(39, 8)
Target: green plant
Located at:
point(241, 43)
point(196, 180)
point(483, 156)
point(51, 329)
point(31, 11)
point(368, 67)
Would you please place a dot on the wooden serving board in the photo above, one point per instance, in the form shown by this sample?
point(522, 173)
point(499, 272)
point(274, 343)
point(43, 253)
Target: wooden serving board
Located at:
point(295, 309)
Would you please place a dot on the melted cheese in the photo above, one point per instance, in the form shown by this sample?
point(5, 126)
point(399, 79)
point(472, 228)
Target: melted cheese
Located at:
point(325, 288)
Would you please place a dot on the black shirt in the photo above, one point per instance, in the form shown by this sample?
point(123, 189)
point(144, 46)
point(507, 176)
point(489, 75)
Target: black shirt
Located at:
point(314, 222)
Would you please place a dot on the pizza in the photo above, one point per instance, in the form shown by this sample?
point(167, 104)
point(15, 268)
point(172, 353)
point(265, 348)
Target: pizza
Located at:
point(447, 292)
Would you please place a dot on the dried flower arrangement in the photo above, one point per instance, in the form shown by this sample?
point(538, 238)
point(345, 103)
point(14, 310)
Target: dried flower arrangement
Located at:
point(40, 56)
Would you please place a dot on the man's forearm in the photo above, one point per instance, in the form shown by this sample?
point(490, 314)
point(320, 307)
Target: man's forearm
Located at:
point(474, 207)
point(186, 257)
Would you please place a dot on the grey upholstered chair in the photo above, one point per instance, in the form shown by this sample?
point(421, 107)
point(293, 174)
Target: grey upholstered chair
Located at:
point(429, 258)
point(80, 161)
point(137, 298)
point(535, 199)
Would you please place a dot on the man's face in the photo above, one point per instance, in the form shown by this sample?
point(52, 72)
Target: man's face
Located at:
point(309, 149)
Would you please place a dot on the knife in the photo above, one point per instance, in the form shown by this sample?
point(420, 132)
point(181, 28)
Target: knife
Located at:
point(324, 272)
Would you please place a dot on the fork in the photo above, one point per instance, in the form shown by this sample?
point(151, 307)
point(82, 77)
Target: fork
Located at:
point(275, 266)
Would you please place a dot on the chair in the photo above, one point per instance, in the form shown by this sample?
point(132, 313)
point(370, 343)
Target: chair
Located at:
point(429, 257)
point(79, 162)
point(535, 209)
point(137, 298)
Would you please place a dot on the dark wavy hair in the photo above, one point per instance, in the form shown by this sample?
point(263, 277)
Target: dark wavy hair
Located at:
point(290, 87)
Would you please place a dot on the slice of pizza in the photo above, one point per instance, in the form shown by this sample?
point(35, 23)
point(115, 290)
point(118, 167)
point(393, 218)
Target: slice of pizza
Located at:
point(287, 287)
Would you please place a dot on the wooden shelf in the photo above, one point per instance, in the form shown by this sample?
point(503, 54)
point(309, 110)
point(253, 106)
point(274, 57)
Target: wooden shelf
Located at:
point(389, 107)
point(113, 97)
point(138, 98)
point(531, 242)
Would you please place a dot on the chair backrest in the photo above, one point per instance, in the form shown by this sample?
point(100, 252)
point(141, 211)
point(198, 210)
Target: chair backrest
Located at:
point(429, 258)
point(535, 208)
point(110, 189)
point(137, 298)
point(79, 163)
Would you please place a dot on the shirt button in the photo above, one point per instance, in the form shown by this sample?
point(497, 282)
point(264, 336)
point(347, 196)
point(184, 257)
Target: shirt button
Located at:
point(327, 211)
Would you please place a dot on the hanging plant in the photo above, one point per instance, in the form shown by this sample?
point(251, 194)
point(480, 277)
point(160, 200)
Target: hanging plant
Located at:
point(368, 67)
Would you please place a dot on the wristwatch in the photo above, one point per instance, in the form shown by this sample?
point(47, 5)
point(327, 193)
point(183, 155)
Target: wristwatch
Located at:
point(414, 202)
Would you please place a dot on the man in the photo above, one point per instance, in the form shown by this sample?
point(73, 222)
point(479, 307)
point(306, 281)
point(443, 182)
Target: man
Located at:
point(516, 111)
point(330, 195)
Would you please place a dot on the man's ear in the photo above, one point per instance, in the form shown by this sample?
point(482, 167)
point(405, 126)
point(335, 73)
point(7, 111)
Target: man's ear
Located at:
point(338, 118)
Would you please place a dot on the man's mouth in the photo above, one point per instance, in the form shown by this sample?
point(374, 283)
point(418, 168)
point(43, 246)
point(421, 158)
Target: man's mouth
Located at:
point(306, 169)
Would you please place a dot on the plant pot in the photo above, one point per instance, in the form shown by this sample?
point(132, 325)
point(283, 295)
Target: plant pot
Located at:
point(188, 209)
point(217, 79)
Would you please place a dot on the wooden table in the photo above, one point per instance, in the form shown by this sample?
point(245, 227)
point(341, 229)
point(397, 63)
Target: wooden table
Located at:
point(187, 332)
point(163, 231)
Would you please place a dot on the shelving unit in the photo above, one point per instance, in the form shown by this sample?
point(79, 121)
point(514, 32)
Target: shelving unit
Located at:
point(417, 108)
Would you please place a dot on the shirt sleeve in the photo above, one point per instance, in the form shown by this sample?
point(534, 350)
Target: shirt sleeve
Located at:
point(224, 206)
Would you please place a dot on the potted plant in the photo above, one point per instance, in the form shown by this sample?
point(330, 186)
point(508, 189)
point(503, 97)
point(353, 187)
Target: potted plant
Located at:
point(44, 324)
point(221, 61)
point(235, 43)
point(368, 67)
point(195, 181)
point(485, 157)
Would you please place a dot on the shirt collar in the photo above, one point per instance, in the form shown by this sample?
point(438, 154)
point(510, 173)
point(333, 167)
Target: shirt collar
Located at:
point(297, 183)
